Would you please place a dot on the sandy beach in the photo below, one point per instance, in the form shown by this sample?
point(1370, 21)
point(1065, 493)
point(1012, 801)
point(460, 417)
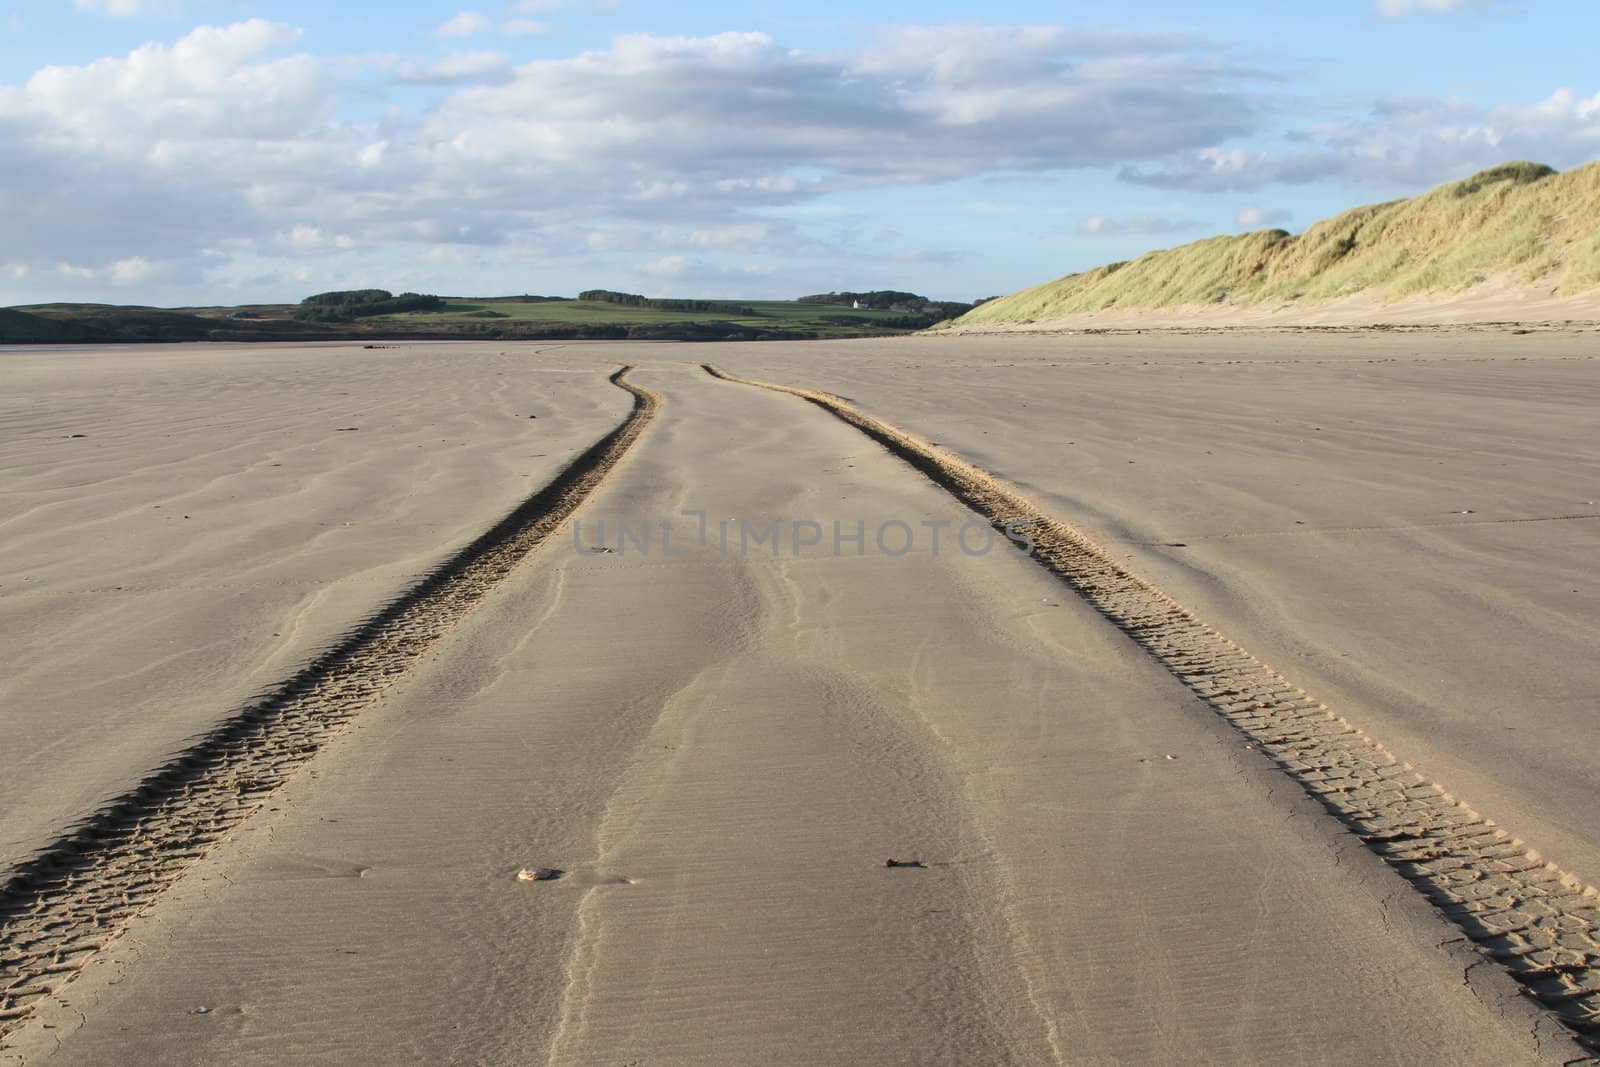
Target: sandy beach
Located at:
point(1405, 524)
point(697, 796)
point(186, 526)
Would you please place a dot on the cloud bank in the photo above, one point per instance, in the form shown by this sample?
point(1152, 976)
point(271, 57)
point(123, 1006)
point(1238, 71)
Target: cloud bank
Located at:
point(229, 153)
point(1411, 142)
point(226, 143)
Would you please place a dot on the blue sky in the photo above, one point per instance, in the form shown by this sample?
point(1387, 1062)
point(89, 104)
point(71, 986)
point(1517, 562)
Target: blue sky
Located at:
point(223, 151)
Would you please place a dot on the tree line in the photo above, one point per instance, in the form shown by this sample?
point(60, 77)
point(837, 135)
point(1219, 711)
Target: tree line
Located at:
point(347, 305)
point(911, 304)
point(634, 300)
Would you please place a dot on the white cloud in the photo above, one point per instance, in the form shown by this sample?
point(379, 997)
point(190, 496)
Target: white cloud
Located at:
point(310, 240)
point(476, 23)
point(126, 8)
point(667, 267)
point(161, 153)
point(690, 271)
point(1260, 218)
point(303, 238)
point(1141, 225)
point(130, 271)
point(730, 235)
point(1394, 9)
point(211, 83)
point(542, 6)
point(1403, 143)
point(465, 24)
point(740, 115)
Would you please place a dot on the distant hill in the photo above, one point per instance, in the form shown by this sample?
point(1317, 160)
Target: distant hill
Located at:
point(1520, 229)
point(377, 314)
point(19, 327)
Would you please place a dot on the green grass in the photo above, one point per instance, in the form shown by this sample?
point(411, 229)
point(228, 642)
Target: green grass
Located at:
point(1519, 220)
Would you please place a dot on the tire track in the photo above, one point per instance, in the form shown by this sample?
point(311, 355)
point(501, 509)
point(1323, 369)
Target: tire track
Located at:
point(78, 894)
point(1537, 921)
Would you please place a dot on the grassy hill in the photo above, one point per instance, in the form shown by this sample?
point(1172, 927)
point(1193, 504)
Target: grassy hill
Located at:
point(1519, 224)
point(19, 327)
point(487, 318)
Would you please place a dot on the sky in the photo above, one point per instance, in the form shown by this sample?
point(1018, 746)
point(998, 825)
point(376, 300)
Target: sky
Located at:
point(200, 152)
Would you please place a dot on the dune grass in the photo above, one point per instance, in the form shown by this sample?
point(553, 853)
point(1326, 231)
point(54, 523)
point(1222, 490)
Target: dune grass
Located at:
point(1522, 221)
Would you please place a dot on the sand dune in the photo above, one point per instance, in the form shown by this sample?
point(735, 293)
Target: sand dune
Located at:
point(718, 750)
point(1515, 242)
